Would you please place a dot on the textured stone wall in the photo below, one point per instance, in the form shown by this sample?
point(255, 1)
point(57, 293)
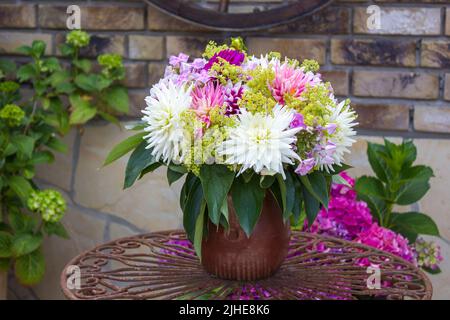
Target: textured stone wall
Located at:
point(398, 78)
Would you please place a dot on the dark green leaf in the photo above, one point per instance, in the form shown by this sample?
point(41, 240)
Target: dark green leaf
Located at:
point(92, 82)
point(436, 270)
point(109, 117)
point(21, 222)
point(83, 64)
point(173, 176)
point(5, 244)
point(7, 66)
point(51, 64)
point(415, 222)
point(38, 48)
point(192, 206)
point(247, 201)
point(316, 185)
point(30, 269)
point(4, 264)
point(26, 50)
point(124, 147)
point(266, 181)
point(376, 161)
point(56, 229)
point(57, 145)
point(216, 182)
point(21, 187)
point(198, 236)
point(412, 192)
point(312, 206)
point(117, 99)
point(140, 159)
point(371, 190)
point(26, 72)
point(24, 144)
point(25, 243)
point(42, 157)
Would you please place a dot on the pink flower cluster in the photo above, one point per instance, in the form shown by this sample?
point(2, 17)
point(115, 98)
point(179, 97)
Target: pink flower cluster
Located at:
point(350, 219)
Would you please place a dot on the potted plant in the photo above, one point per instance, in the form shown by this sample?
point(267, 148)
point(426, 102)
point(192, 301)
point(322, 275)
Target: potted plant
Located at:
point(260, 139)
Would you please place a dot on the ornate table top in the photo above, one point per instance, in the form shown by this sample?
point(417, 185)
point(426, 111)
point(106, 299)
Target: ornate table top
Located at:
point(163, 265)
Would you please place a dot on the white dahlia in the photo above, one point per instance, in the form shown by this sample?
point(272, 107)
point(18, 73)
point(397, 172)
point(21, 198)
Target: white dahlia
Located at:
point(163, 116)
point(261, 142)
point(342, 117)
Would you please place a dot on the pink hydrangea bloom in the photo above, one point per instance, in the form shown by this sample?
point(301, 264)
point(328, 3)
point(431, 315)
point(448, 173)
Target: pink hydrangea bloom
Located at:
point(292, 81)
point(386, 240)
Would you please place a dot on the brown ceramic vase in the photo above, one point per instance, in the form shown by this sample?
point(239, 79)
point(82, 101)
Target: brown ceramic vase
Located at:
point(230, 254)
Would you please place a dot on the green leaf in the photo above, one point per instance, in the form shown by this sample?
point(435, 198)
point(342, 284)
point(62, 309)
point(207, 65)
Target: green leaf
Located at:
point(26, 50)
point(4, 264)
point(56, 229)
point(5, 244)
point(57, 145)
point(417, 173)
point(124, 147)
point(38, 48)
point(140, 159)
point(437, 270)
point(415, 222)
point(21, 222)
point(337, 179)
point(247, 201)
point(26, 72)
point(266, 182)
point(25, 243)
point(312, 206)
point(83, 64)
point(82, 112)
point(191, 209)
point(52, 64)
point(42, 157)
point(287, 192)
point(198, 236)
point(412, 192)
point(173, 176)
point(30, 269)
point(21, 187)
point(377, 163)
point(316, 185)
point(24, 144)
point(109, 117)
point(92, 82)
point(297, 208)
point(371, 190)
point(117, 99)
point(216, 182)
point(7, 66)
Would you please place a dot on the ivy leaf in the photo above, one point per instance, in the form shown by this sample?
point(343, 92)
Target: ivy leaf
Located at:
point(25, 243)
point(216, 183)
point(117, 98)
point(247, 201)
point(140, 159)
point(124, 147)
point(30, 268)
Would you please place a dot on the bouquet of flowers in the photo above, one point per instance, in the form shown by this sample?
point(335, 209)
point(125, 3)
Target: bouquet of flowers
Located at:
point(241, 124)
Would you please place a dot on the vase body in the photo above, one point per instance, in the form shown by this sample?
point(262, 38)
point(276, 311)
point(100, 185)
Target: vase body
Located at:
point(230, 254)
point(3, 284)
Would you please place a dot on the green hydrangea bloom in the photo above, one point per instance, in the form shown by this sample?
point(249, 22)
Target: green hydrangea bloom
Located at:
point(226, 71)
point(110, 61)
point(310, 65)
point(78, 38)
point(12, 115)
point(49, 203)
point(9, 86)
point(258, 97)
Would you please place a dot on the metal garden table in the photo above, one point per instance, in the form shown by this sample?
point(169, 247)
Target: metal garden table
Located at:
point(163, 265)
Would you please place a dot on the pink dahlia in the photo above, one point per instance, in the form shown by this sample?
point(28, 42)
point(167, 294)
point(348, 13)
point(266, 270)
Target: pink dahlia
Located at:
point(205, 98)
point(234, 57)
point(233, 93)
point(292, 81)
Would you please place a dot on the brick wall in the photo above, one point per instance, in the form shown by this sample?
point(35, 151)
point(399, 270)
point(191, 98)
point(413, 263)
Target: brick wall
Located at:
point(397, 77)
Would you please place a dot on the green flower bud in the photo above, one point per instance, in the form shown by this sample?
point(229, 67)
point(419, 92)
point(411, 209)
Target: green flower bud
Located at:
point(12, 115)
point(9, 86)
point(238, 44)
point(78, 38)
point(310, 65)
point(49, 203)
point(110, 61)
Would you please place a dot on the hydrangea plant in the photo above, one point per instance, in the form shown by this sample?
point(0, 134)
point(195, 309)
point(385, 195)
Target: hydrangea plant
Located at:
point(30, 133)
